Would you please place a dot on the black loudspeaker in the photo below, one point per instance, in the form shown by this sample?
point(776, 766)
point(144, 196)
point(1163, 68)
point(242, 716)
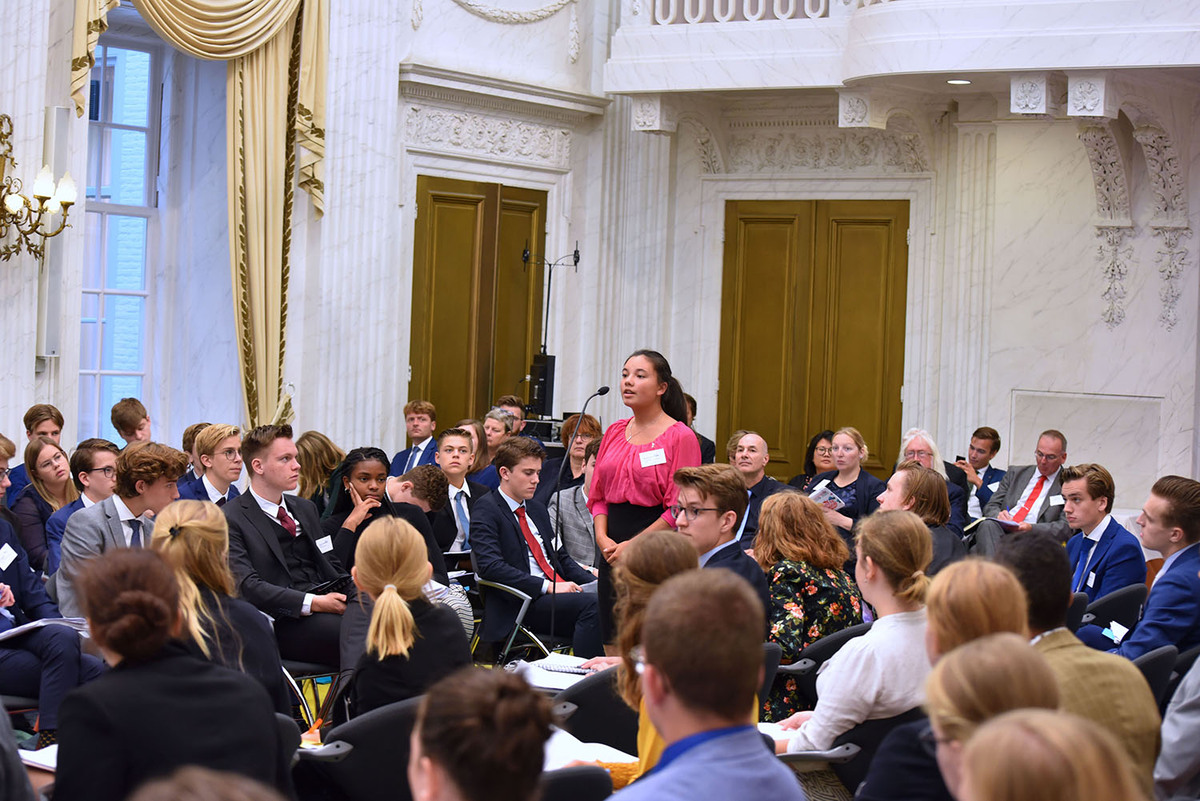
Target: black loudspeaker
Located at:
point(541, 385)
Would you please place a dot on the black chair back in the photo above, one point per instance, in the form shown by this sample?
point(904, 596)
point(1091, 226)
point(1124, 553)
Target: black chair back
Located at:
point(580, 783)
point(1183, 663)
point(1076, 611)
point(816, 654)
point(375, 767)
point(289, 736)
point(592, 710)
point(772, 653)
point(1157, 666)
point(1123, 605)
point(867, 736)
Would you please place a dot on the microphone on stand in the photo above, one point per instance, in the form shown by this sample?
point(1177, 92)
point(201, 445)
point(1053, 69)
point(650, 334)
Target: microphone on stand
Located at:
point(557, 487)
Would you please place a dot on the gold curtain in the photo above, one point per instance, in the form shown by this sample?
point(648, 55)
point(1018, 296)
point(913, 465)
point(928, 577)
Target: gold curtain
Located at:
point(91, 20)
point(275, 101)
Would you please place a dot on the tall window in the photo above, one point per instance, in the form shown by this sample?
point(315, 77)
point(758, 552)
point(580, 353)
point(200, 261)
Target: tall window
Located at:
point(123, 135)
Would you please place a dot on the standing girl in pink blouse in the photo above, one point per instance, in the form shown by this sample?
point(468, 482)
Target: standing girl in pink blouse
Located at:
point(633, 483)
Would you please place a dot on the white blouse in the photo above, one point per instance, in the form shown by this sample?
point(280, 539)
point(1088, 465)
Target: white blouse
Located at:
point(877, 675)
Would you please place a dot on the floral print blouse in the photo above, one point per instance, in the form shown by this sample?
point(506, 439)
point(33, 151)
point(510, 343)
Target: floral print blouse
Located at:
point(806, 604)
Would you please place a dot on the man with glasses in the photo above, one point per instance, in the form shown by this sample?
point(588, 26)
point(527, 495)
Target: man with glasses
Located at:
point(94, 471)
point(917, 445)
point(710, 505)
point(219, 448)
point(1029, 497)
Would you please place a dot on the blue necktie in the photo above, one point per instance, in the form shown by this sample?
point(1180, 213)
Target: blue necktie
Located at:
point(136, 540)
point(1081, 568)
point(414, 453)
point(460, 511)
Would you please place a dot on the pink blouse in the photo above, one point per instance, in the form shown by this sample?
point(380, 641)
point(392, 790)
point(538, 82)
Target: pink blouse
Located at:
point(627, 473)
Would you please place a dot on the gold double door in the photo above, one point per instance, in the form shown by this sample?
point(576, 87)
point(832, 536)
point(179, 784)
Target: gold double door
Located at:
point(477, 307)
point(812, 325)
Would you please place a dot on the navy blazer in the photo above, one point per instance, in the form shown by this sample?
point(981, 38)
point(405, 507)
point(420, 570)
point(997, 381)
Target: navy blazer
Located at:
point(56, 526)
point(758, 493)
point(428, 456)
point(195, 490)
point(991, 475)
point(735, 559)
point(32, 511)
point(19, 478)
point(1116, 561)
point(867, 489)
point(31, 600)
point(1172, 612)
point(501, 555)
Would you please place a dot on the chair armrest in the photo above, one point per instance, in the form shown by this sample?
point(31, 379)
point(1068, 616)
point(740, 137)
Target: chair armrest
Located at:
point(513, 591)
point(838, 755)
point(562, 711)
point(801, 667)
point(1087, 620)
point(330, 752)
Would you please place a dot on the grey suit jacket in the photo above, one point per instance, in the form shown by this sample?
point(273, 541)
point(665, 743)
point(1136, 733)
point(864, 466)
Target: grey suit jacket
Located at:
point(1177, 771)
point(90, 532)
point(1008, 494)
point(578, 533)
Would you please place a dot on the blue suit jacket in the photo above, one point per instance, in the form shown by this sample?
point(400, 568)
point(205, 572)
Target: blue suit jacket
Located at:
point(990, 476)
point(32, 602)
point(501, 555)
point(194, 491)
point(55, 526)
point(1116, 561)
point(427, 457)
point(735, 559)
point(1172, 613)
point(20, 479)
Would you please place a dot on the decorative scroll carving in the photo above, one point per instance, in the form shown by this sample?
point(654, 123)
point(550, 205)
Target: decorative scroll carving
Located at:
point(1164, 169)
point(1114, 255)
point(478, 134)
point(1108, 172)
point(854, 149)
point(573, 39)
point(706, 147)
point(1171, 259)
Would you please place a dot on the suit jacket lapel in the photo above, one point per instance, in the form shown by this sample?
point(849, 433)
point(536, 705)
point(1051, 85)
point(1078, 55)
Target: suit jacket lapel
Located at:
point(1101, 549)
point(115, 534)
point(263, 525)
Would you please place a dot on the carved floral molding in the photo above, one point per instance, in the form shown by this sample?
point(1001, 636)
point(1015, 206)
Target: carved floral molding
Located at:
point(856, 149)
point(503, 139)
point(505, 16)
point(1171, 259)
point(1114, 256)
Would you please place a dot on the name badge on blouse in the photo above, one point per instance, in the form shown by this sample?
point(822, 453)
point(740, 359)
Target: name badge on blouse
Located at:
point(651, 458)
point(325, 544)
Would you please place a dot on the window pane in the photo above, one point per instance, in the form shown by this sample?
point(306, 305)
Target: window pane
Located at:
point(89, 339)
point(130, 87)
point(88, 424)
point(103, 75)
point(126, 251)
point(112, 389)
point(93, 255)
point(125, 180)
point(96, 166)
point(124, 333)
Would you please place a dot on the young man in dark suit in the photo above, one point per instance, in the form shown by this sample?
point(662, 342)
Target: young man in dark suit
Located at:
point(1170, 522)
point(41, 420)
point(455, 458)
point(710, 505)
point(94, 471)
point(514, 544)
point(1104, 556)
point(278, 554)
point(420, 419)
point(983, 478)
point(219, 449)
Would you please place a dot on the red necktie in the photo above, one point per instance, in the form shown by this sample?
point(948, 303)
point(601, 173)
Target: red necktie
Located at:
point(285, 520)
point(535, 547)
point(1033, 496)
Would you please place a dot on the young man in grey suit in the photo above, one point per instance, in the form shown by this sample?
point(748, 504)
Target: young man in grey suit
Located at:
point(569, 515)
point(146, 476)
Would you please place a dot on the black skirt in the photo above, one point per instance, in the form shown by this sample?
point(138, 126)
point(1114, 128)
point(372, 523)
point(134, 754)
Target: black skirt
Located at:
point(625, 521)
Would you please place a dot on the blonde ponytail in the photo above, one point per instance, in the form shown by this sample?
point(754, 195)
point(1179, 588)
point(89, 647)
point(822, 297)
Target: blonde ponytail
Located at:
point(392, 566)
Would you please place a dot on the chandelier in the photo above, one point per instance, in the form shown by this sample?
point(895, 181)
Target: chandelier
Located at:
point(29, 222)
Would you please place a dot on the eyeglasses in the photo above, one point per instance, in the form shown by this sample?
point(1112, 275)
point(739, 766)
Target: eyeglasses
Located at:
point(915, 455)
point(3, 473)
point(823, 451)
point(58, 457)
point(108, 472)
point(692, 512)
point(231, 454)
point(930, 741)
point(638, 654)
point(1046, 457)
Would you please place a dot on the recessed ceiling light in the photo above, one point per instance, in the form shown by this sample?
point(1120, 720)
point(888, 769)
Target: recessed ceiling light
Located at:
point(958, 82)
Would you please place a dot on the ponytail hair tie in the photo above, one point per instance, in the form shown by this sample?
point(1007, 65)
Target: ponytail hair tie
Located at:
point(173, 531)
point(917, 574)
point(391, 587)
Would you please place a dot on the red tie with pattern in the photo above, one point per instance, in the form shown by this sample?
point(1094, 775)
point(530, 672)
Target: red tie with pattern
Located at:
point(535, 547)
point(285, 520)
point(1033, 496)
